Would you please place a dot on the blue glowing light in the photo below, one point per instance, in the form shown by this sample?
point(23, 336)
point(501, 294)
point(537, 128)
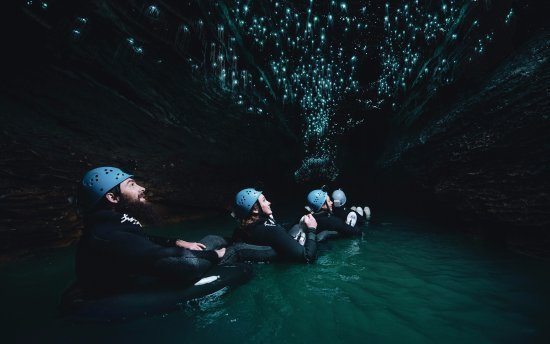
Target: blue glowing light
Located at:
point(153, 11)
point(509, 16)
point(306, 57)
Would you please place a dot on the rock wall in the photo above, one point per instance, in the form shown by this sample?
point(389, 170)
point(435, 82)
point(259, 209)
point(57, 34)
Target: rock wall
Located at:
point(486, 155)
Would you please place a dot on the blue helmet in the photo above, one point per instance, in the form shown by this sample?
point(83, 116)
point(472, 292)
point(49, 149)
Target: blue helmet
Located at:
point(316, 199)
point(339, 198)
point(244, 201)
point(97, 182)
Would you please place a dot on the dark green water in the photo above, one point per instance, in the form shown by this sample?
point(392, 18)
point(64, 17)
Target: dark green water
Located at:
point(402, 282)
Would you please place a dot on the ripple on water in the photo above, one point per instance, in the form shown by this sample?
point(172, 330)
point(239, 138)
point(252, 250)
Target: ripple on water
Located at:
point(399, 283)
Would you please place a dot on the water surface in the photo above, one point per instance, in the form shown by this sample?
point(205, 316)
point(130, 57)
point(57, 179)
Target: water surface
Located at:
point(403, 281)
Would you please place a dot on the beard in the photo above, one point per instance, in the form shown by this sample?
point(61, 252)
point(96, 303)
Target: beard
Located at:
point(142, 211)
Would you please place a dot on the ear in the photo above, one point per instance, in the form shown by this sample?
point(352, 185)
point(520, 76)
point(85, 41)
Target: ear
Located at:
point(111, 197)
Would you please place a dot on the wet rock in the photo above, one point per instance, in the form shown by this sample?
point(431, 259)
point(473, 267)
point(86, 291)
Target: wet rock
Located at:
point(486, 155)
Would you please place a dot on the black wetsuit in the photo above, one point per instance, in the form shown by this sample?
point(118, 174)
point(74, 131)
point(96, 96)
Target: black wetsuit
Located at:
point(114, 253)
point(328, 222)
point(266, 232)
point(342, 212)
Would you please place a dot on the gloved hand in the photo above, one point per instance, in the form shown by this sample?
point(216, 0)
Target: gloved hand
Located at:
point(351, 218)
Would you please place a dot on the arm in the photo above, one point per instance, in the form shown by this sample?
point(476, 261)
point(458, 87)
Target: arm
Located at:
point(287, 247)
point(171, 242)
point(334, 223)
point(142, 256)
point(166, 242)
point(188, 267)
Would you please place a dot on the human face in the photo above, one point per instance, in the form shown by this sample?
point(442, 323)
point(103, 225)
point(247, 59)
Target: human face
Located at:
point(328, 204)
point(132, 191)
point(265, 205)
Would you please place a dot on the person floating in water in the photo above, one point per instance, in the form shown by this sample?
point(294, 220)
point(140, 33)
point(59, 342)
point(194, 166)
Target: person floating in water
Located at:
point(353, 215)
point(257, 226)
point(320, 206)
point(114, 252)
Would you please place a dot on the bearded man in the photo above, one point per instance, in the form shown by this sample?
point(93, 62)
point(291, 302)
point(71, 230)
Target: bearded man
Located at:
point(115, 255)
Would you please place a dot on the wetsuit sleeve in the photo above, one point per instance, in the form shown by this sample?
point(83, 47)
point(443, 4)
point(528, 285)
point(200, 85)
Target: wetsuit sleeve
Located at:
point(341, 212)
point(189, 266)
point(333, 223)
point(142, 256)
point(238, 235)
point(212, 242)
point(310, 246)
point(287, 247)
point(138, 248)
point(166, 242)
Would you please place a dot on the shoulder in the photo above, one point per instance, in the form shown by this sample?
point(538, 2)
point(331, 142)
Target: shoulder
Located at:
point(263, 223)
point(109, 221)
point(321, 214)
point(110, 216)
point(101, 217)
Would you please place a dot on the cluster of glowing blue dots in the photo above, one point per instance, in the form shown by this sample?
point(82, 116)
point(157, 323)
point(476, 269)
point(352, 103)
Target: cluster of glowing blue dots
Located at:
point(309, 57)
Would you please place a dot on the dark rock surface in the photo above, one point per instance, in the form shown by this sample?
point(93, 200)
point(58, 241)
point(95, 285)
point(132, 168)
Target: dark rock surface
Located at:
point(486, 155)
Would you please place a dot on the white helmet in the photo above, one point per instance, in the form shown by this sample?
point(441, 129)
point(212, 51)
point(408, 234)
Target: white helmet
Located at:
point(339, 198)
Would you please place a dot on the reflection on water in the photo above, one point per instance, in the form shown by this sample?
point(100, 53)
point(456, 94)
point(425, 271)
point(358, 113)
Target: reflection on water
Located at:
point(399, 283)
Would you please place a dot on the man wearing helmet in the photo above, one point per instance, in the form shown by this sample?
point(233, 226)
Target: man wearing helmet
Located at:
point(257, 226)
point(114, 254)
point(320, 205)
